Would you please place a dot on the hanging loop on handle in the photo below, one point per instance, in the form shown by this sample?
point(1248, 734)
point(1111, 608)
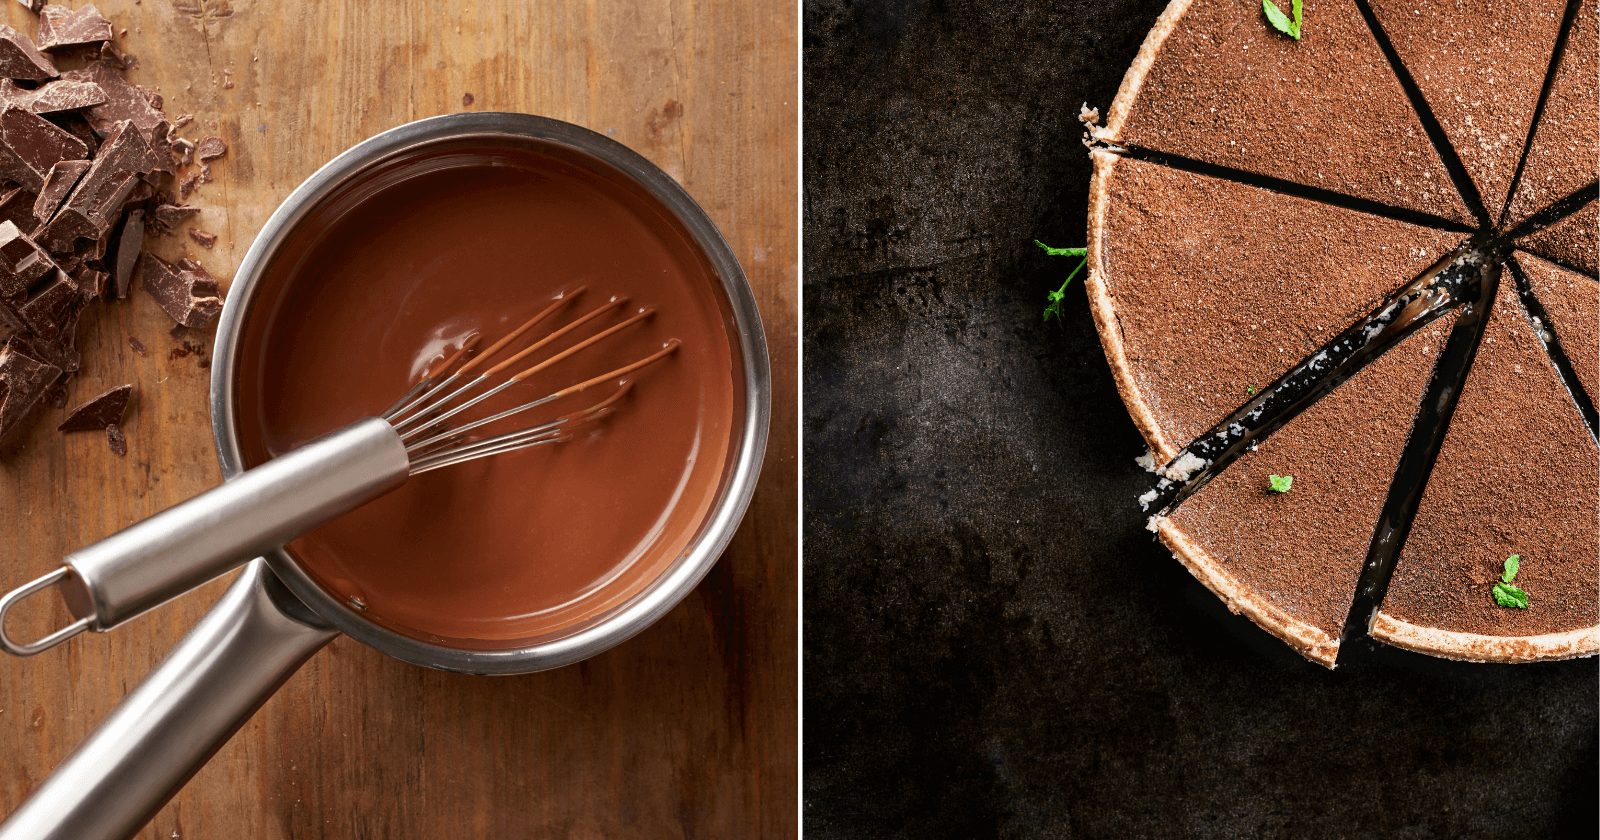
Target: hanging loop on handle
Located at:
point(15, 596)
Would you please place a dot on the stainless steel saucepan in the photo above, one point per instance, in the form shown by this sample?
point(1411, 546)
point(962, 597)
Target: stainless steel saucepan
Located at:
point(274, 617)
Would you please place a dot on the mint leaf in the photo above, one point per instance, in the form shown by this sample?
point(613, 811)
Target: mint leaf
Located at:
point(1280, 21)
point(1513, 563)
point(1280, 483)
point(1250, 389)
point(1053, 310)
point(1507, 595)
point(1062, 252)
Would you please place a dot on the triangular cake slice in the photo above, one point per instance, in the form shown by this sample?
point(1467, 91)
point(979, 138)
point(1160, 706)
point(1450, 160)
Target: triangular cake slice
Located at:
point(1195, 316)
point(1480, 65)
point(1565, 152)
point(1572, 303)
point(1214, 82)
point(1517, 474)
point(1291, 561)
point(1573, 241)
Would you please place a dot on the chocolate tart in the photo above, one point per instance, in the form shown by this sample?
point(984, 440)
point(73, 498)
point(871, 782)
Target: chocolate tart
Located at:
point(1254, 199)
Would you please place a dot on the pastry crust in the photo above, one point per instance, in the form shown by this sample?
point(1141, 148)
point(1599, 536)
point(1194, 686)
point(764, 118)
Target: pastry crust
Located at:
point(1133, 80)
point(1102, 303)
point(1476, 647)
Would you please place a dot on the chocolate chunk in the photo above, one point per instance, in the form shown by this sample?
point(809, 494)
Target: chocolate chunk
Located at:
point(52, 97)
point(124, 100)
point(205, 239)
point(187, 293)
point(91, 282)
point(23, 381)
point(130, 241)
point(32, 5)
point(57, 185)
point(53, 310)
point(138, 346)
point(166, 217)
point(61, 27)
point(210, 149)
point(22, 262)
point(100, 412)
point(16, 206)
point(30, 145)
point(116, 440)
point(20, 59)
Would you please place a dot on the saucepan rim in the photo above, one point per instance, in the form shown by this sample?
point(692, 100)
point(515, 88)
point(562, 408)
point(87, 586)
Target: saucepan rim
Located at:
point(674, 582)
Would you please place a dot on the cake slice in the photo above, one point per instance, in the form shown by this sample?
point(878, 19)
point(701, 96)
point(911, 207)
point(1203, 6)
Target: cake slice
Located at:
point(1573, 241)
point(1517, 474)
point(1572, 303)
point(1214, 82)
point(1480, 65)
point(1205, 289)
point(1290, 561)
point(1565, 151)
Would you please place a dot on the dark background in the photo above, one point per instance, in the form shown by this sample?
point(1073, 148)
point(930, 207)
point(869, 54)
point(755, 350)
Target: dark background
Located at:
point(993, 644)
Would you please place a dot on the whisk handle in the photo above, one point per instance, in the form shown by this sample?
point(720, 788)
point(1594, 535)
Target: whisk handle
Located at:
point(155, 560)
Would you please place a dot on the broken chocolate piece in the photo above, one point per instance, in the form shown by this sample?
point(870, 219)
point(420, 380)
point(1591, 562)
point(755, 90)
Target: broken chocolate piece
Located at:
point(116, 440)
point(52, 97)
point(187, 292)
point(130, 240)
point(53, 309)
point(23, 381)
point(210, 149)
point(124, 100)
point(20, 59)
point(110, 54)
point(138, 346)
point(91, 282)
point(166, 217)
point(57, 185)
point(62, 27)
point(30, 145)
point(100, 412)
point(16, 206)
point(22, 262)
point(205, 239)
point(32, 5)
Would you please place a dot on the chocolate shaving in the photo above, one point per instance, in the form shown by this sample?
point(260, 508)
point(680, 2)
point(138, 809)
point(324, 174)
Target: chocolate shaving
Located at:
point(20, 59)
point(116, 440)
point(23, 382)
point(61, 27)
point(210, 149)
point(187, 292)
point(100, 412)
point(205, 239)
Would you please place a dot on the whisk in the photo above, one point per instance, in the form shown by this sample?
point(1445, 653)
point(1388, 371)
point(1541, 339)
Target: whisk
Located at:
point(432, 426)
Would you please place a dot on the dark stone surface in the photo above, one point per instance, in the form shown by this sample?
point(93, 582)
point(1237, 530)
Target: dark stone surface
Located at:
point(994, 646)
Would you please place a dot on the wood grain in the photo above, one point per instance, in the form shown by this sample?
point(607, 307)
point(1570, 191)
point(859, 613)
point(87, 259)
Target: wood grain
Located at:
point(687, 730)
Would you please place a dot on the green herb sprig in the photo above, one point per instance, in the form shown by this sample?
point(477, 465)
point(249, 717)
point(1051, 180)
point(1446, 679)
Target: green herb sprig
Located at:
point(1282, 22)
point(1056, 297)
point(1505, 594)
point(1280, 483)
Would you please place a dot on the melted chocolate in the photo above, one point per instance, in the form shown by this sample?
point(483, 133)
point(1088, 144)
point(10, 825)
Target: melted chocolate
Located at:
point(406, 264)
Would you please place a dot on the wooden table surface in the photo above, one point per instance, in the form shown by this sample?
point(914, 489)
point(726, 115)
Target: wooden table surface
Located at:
point(687, 730)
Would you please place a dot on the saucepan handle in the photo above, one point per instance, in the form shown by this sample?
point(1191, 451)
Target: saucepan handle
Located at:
point(184, 546)
point(220, 673)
